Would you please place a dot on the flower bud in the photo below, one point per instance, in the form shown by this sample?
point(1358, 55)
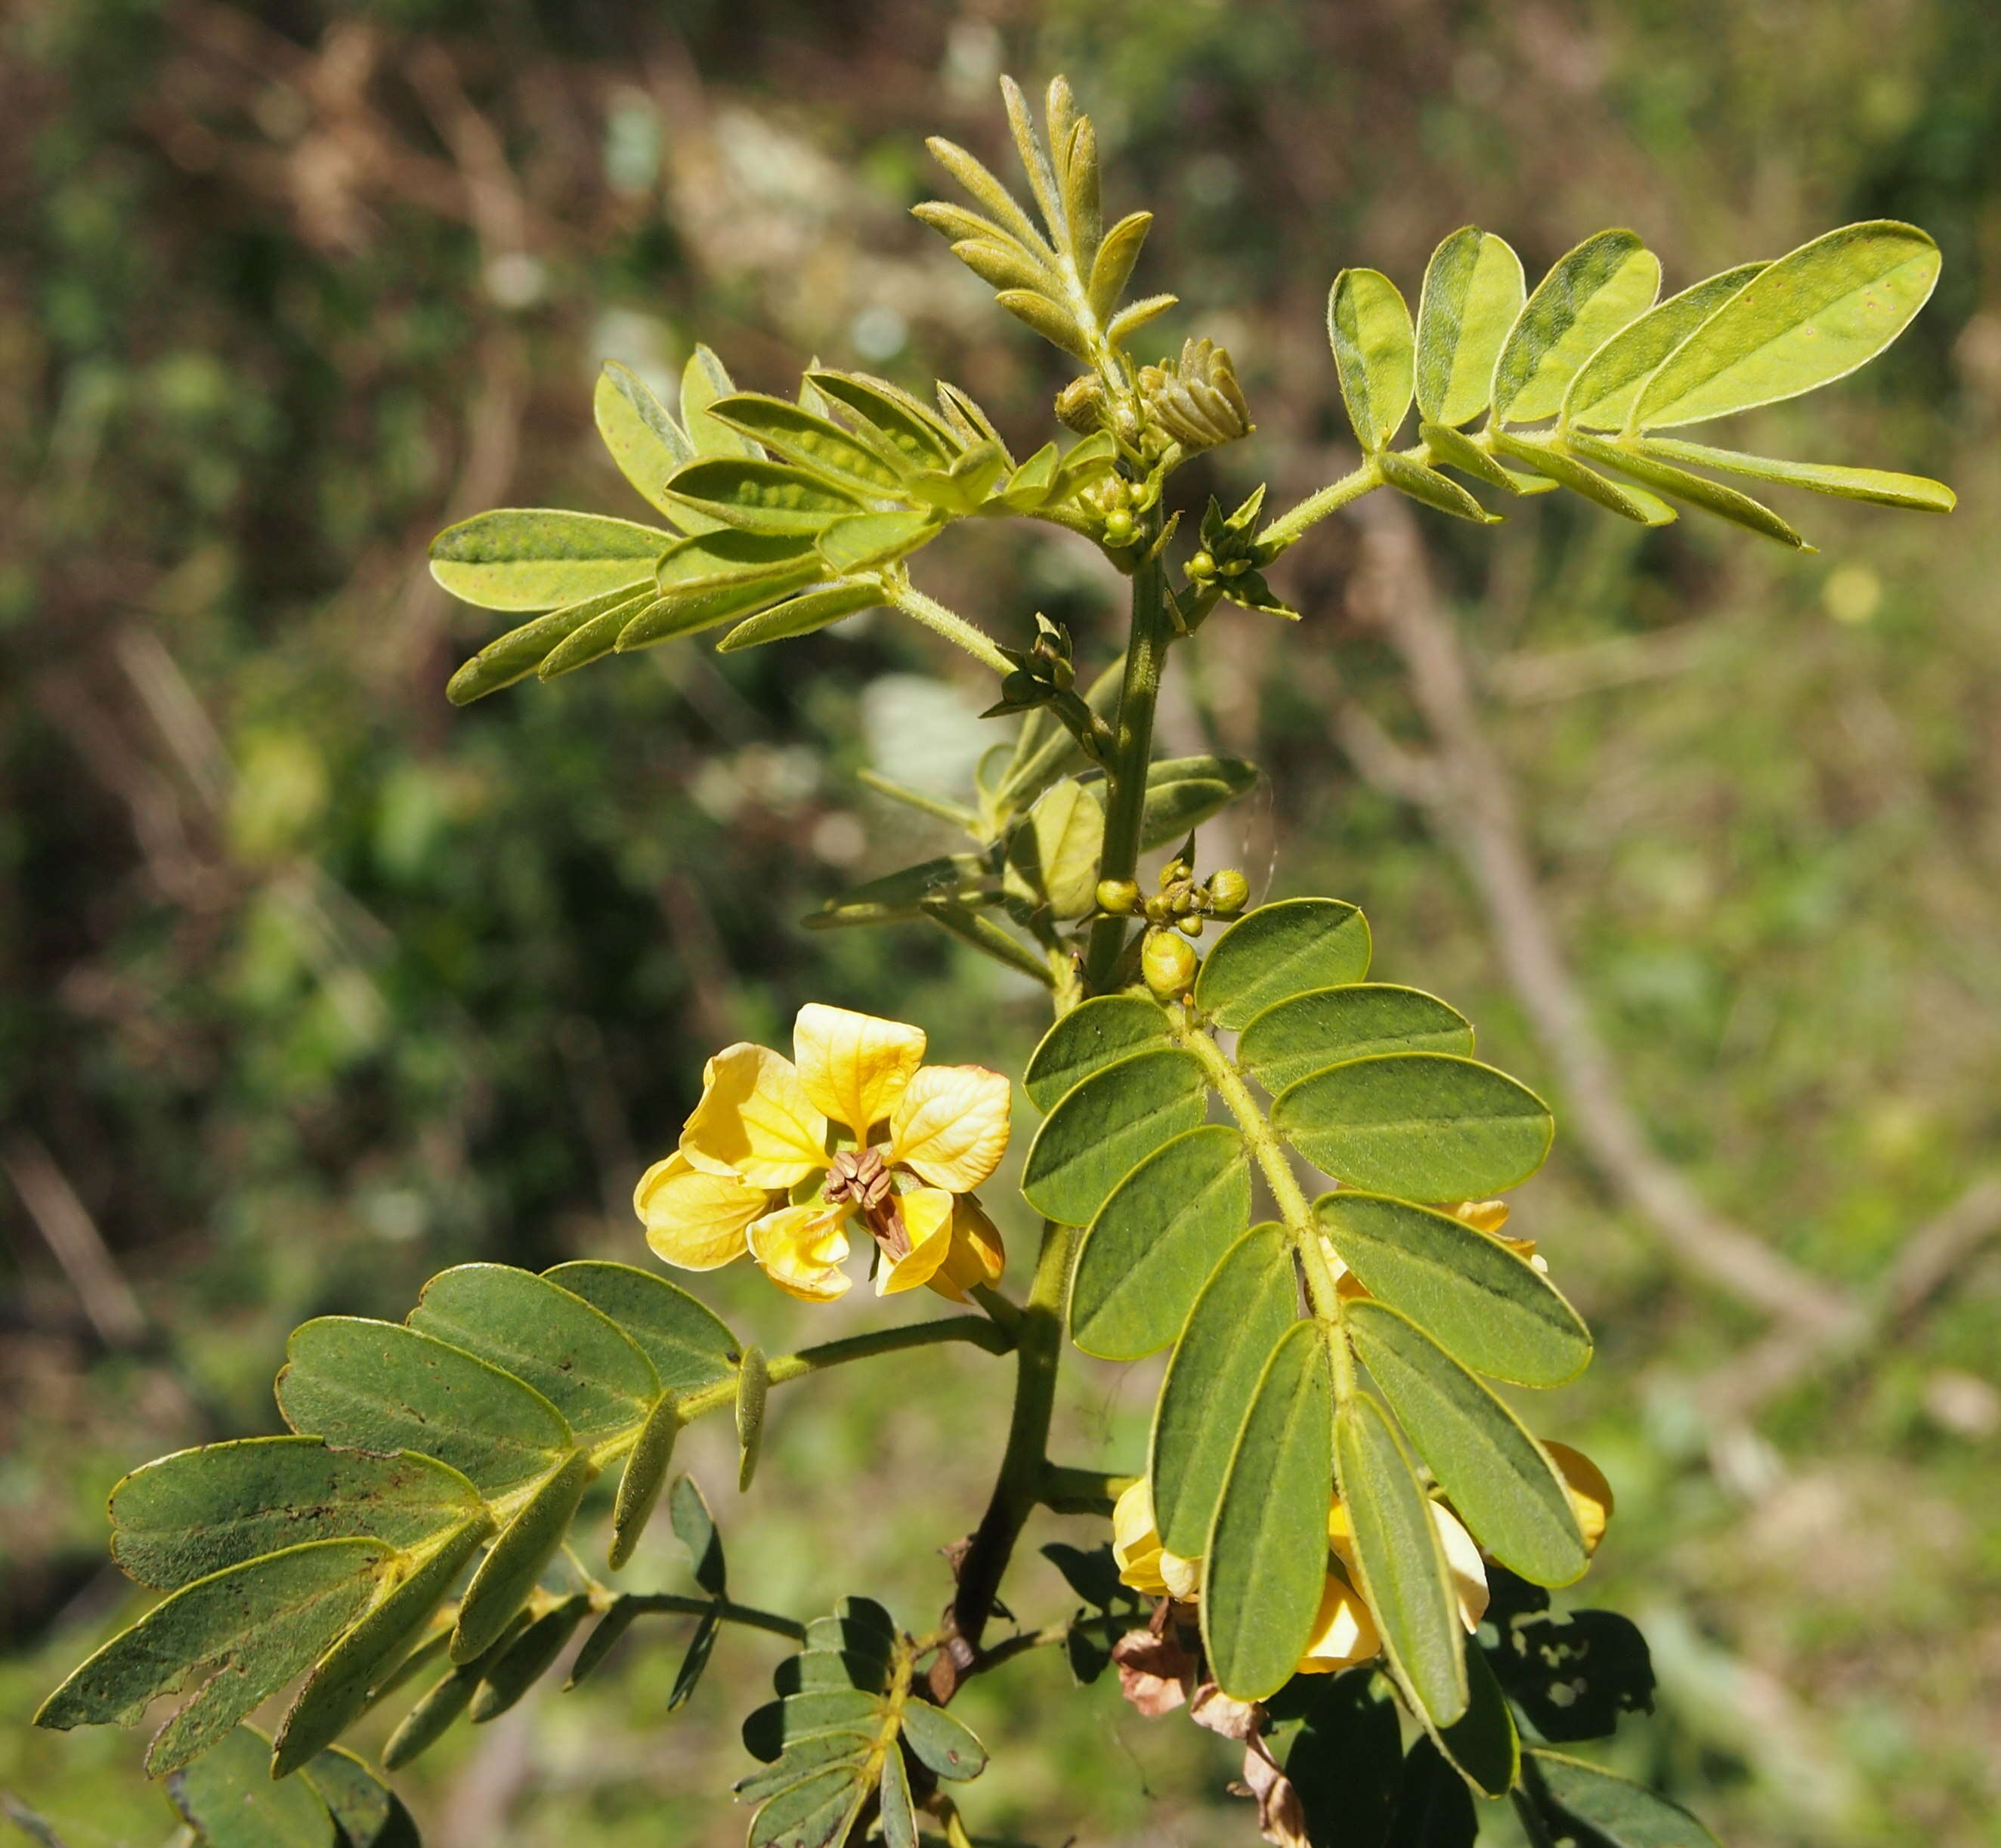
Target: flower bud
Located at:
point(1190, 924)
point(1201, 566)
point(1121, 897)
point(1168, 963)
point(1081, 405)
point(1229, 891)
point(1175, 871)
point(1118, 527)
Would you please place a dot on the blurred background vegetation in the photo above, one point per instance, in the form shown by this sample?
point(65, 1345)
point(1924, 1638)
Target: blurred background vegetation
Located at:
point(313, 986)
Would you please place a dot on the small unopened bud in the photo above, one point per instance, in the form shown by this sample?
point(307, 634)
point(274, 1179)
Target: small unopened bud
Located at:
point(1229, 891)
point(1175, 872)
point(1119, 526)
point(1158, 910)
point(1189, 925)
point(1080, 406)
point(1168, 963)
point(1181, 901)
point(1121, 897)
point(1201, 566)
point(1020, 688)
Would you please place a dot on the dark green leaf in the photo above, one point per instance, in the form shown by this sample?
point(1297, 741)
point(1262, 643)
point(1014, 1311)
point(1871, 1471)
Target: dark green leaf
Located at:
point(815, 1814)
point(896, 1816)
point(536, 558)
point(1605, 1811)
point(1100, 1032)
point(965, 879)
point(1239, 1317)
point(603, 1640)
point(1278, 950)
point(1295, 1039)
point(1402, 1562)
point(229, 1797)
point(1184, 792)
point(1266, 1557)
point(1368, 328)
point(508, 1573)
point(753, 1379)
point(941, 1743)
point(380, 1386)
point(1588, 295)
point(700, 1645)
point(534, 1328)
point(1603, 394)
point(1434, 1808)
point(528, 1658)
point(807, 1756)
point(197, 1512)
point(1422, 1125)
point(1489, 1306)
point(1573, 1676)
point(818, 1671)
point(694, 1527)
point(367, 1813)
point(1483, 1743)
point(1344, 1762)
point(1154, 1243)
point(689, 1345)
point(1473, 292)
point(647, 1466)
point(426, 1722)
point(771, 1727)
point(1106, 1126)
point(1093, 1576)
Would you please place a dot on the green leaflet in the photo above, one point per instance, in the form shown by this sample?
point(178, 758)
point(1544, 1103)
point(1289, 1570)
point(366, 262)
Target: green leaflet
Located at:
point(1493, 1310)
point(814, 443)
point(1106, 1127)
point(753, 1381)
point(1278, 950)
point(1343, 1761)
point(1482, 1742)
point(1242, 1314)
point(1184, 792)
point(255, 1626)
point(1635, 504)
point(1055, 855)
point(802, 615)
point(966, 878)
point(229, 1799)
point(695, 1528)
point(701, 1645)
point(521, 652)
point(1294, 1038)
point(1092, 1036)
point(759, 496)
point(1630, 459)
point(1266, 1555)
point(942, 1744)
point(808, 1756)
point(1605, 390)
point(571, 1354)
point(443, 1702)
point(1422, 1125)
point(1505, 1490)
point(924, 439)
point(338, 1689)
point(199, 1512)
point(1885, 489)
point(1153, 1245)
point(1454, 449)
point(642, 436)
point(647, 1466)
point(1434, 1808)
point(1589, 294)
point(1574, 1675)
point(688, 1343)
point(770, 1729)
point(1111, 269)
point(1813, 317)
point(815, 1813)
point(536, 558)
point(867, 541)
point(704, 380)
point(601, 1641)
point(369, 1815)
point(1614, 1812)
point(515, 1561)
point(378, 1386)
point(529, 1657)
point(962, 487)
point(1473, 293)
point(1434, 490)
point(896, 1815)
point(1368, 328)
point(1401, 1560)
point(594, 640)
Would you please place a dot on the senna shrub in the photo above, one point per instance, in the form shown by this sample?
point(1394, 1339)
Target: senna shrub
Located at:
point(1288, 1177)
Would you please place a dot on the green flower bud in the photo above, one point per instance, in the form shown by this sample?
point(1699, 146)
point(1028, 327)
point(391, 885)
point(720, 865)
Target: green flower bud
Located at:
point(1157, 910)
point(1021, 688)
point(1121, 897)
point(1119, 526)
point(1080, 406)
point(1201, 566)
point(1168, 963)
point(1176, 872)
point(1229, 891)
point(1190, 925)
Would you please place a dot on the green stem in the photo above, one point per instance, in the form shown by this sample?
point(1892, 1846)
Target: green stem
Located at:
point(1111, 1622)
point(1289, 526)
point(1125, 769)
point(1082, 1491)
point(1038, 1348)
point(957, 813)
point(673, 1604)
point(955, 629)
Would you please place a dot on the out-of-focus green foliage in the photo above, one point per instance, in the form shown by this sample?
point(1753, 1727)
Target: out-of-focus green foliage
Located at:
point(300, 972)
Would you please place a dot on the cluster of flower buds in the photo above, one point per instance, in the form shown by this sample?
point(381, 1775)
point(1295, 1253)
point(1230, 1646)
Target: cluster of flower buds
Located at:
point(1043, 674)
point(1177, 912)
point(1197, 401)
point(1232, 559)
point(1120, 505)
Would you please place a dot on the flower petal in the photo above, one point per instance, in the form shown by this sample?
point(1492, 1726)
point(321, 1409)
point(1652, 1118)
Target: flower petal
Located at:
point(854, 1066)
point(1590, 1494)
point(1482, 1215)
point(1135, 1546)
point(695, 1220)
point(1344, 1630)
point(1463, 1561)
point(754, 1120)
point(928, 1216)
point(977, 1255)
point(951, 1128)
point(802, 1249)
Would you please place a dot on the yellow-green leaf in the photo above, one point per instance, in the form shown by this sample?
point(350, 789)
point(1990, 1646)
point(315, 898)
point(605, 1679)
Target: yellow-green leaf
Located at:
point(1608, 384)
point(1432, 488)
point(641, 433)
point(1472, 295)
point(1878, 484)
point(1712, 497)
point(1589, 294)
point(536, 558)
point(1369, 327)
point(803, 615)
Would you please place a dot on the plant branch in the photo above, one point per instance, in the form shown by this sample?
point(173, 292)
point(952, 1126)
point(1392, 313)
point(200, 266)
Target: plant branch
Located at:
point(942, 807)
point(1070, 1491)
point(674, 1604)
point(1051, 1635)
point(954, 628)
point(1289, 526)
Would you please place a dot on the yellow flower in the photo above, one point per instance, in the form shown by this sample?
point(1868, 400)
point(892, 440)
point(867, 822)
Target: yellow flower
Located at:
point(1590, 1494)
point(781, 1154)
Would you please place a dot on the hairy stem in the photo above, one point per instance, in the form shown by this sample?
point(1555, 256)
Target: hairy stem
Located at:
point(949, 623)
point(1289, 526)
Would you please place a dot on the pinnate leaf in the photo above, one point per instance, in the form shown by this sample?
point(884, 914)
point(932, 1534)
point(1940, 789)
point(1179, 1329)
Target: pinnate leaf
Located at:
point(1589, 294)
point(1608, 384)
point(536, 558)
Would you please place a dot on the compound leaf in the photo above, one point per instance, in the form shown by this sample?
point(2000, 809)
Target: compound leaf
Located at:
point(1605, 390)
point(688, 1343)
point(1589, 294)
point(1098, 1033)
point(1184, 792)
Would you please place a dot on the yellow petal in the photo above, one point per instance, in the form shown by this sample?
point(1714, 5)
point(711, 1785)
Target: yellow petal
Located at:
point(1526, 1247)
point(755, 1120)
point(927, 1219)
point(1590, 1494)
point(695, 1220)
point(977, 1255)
point(951, 1128)
point(1344, 1630)
point(802, 1249)
point(1181, 1577)
point(854, 1067)
point(1135, 1548)
point(1482, 1215)
point(1468, 1571)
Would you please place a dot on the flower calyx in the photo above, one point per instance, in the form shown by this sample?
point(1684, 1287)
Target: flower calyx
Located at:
point(1196, 400)
point(1045, 674)
point(1230, 561)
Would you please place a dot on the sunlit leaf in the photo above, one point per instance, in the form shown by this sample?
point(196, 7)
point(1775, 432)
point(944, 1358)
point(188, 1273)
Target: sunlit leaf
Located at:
point(1712, 496)
point(1606, 388)
point(1473, 292)
point(1294, 1038)
point(229, 1797)
point(536, 558)
point(1603, 1810)
point(1184, 792)
point(1278, 950)
point(515, 1561)
point(814, 443)
point(1370, 328)
point(1434, 490)
point(802, 615)
point(527, 1659)
point(1098, 1033)
point(1589, 294)
point(640, 432)
point(1878, 485)
point(518, 653)
point(760, 497)
point(1635, 504)
point(941, 1743)
point(1106, 1127)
